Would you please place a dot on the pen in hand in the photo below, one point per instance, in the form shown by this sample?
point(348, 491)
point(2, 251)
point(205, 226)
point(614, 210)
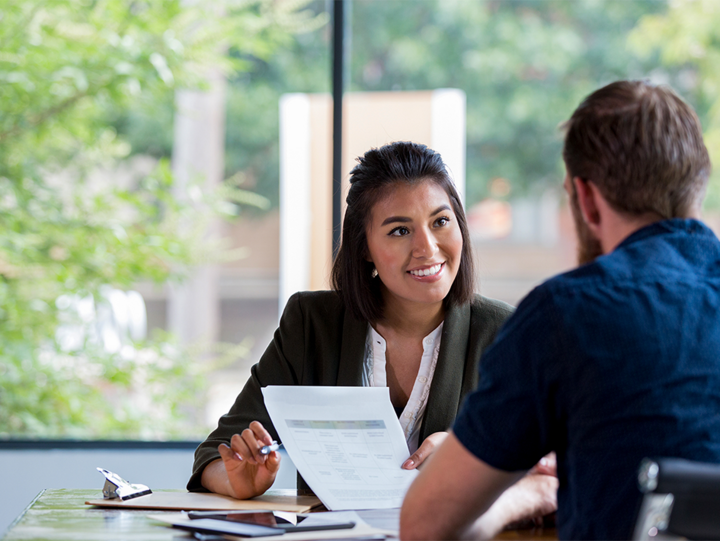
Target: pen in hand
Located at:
point(267, 449)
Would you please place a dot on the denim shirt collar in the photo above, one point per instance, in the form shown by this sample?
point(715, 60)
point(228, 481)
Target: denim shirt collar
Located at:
point(674, 225)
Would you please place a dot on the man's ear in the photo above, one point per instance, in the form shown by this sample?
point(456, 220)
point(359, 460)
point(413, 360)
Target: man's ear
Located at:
point(587, 195)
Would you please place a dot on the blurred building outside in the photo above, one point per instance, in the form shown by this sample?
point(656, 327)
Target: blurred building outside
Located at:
point(518, 241)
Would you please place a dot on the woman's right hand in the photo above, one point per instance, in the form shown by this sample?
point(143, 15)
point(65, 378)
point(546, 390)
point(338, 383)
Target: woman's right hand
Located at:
point(249, 473)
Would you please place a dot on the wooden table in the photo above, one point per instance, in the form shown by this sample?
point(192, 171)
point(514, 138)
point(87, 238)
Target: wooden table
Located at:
point(61, 514)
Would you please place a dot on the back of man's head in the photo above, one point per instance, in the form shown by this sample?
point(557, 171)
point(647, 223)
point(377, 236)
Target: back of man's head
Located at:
point(642, 146)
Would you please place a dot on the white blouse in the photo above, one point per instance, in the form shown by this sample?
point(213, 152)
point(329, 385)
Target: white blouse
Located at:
point(374, 375)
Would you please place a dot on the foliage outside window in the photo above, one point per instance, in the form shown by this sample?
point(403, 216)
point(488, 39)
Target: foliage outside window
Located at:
point(523, 64)
point(85, 84)
point(68, 70)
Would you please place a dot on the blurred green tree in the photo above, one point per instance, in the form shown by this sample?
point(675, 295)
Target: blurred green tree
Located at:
point(687, 37)
point(69, 230)
point(523, 64)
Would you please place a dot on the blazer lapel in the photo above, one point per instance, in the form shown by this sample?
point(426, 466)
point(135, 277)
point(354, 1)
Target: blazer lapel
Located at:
point(445, 391)
point(352, 351)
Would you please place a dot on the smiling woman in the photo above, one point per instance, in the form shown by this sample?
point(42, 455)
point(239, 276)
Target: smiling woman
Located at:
point(403, 315)
point(415, 243)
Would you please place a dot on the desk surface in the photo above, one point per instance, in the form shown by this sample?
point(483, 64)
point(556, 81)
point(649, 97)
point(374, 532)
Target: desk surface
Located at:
point(61, 514)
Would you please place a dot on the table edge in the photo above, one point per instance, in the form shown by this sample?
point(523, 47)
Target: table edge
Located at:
point(22, 514)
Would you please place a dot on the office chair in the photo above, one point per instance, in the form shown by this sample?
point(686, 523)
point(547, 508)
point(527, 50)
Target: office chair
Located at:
point(682, 500)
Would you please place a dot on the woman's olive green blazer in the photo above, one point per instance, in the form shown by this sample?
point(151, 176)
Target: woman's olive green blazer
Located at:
point(318, 342)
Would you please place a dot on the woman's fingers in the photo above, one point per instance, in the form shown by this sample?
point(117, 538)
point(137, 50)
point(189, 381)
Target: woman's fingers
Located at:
point(249, 474)
point(240, 448)
point(253, 446)
point(248, 444)
point(273, 462)
point(227, 454)
point(260, 433)
point(427, 447)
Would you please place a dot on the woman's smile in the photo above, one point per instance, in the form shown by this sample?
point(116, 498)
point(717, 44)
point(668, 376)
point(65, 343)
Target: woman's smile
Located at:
point(415, 242)
point(428, 273)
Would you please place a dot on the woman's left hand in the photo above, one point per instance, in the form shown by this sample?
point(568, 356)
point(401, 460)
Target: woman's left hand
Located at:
point(427, 448)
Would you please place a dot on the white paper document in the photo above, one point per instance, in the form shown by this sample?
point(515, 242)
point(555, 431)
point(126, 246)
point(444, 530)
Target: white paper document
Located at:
point(346, 442)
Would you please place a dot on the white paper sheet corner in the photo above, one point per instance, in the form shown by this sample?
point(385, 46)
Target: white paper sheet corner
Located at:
point(346, 442)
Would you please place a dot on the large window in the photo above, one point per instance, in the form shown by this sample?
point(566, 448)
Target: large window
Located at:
point(140, 172)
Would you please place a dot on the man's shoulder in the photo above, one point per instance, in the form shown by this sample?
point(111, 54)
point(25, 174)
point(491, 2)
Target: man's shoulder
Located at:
point(666, 252)
point(595, 280)
point(590, 272)
point(607, 270)
point(674, 261)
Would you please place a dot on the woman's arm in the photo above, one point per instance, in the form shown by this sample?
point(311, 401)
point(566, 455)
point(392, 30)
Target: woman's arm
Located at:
point(280, 365)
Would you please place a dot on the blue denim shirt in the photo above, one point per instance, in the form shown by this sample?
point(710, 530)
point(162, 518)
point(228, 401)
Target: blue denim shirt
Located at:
point(609, 363)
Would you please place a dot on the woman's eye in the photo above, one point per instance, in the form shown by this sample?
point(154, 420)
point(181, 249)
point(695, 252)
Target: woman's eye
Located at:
point(442, 221)
point(400, 231)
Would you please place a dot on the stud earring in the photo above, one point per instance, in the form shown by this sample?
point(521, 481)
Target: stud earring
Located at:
point(374, 273)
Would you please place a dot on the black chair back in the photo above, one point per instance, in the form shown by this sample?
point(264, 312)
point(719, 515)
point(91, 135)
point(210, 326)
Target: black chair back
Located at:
point(682, 499)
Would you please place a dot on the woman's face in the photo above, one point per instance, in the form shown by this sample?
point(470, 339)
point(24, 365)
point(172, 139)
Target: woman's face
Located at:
point(415, 243)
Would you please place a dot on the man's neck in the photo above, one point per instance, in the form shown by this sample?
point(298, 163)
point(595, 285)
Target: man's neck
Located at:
point(619, 227)
point(614, 227)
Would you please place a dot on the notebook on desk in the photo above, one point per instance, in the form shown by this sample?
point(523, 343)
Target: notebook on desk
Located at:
point(273, 500)
point(360, 530)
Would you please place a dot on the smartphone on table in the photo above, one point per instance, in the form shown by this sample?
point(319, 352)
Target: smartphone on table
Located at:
point(256, 523)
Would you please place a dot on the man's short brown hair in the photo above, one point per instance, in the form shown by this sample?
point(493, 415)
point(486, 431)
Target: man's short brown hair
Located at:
point(642, 146)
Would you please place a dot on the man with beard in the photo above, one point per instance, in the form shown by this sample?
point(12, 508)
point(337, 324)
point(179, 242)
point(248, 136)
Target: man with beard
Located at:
point(612, 362)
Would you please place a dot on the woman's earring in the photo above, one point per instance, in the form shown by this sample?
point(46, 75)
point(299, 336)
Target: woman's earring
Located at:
point(374, 273)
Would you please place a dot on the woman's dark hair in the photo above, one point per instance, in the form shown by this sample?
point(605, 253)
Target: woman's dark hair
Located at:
point(377, 171)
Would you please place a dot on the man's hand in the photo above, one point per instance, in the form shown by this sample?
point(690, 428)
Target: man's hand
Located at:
point(547, 465)
point(431, 443)
point(244, 472)
point(453, 489)
point(527, 501)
